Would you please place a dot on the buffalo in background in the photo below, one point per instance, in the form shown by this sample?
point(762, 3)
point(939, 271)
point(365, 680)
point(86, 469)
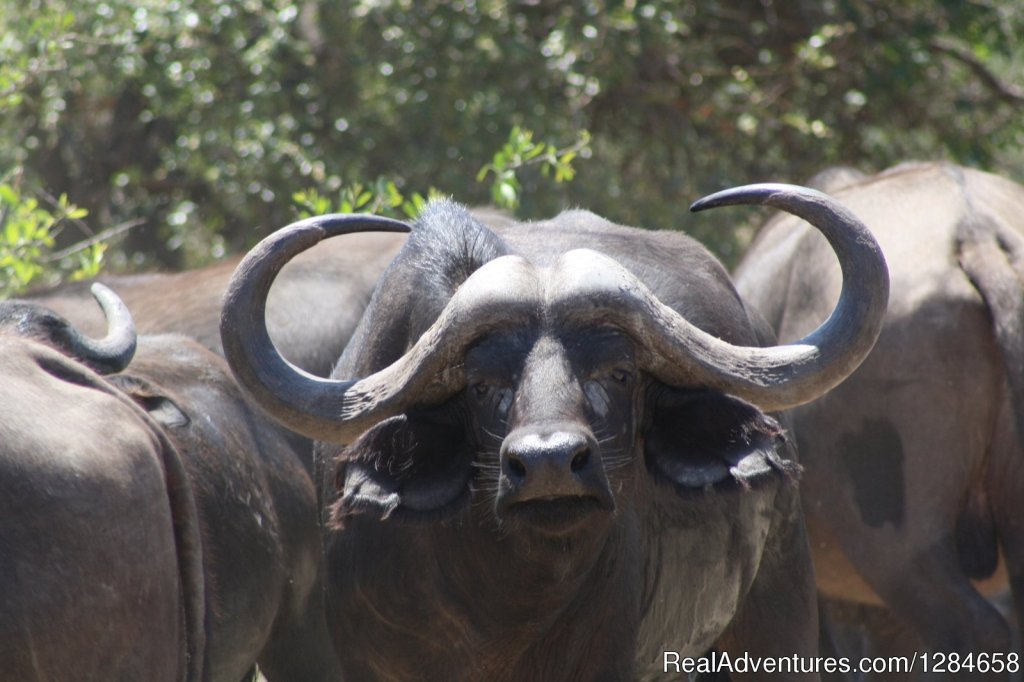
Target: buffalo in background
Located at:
point(311, 314)
point(150, 520)
point(914, 470)
point(100, 564)
point(559, 461)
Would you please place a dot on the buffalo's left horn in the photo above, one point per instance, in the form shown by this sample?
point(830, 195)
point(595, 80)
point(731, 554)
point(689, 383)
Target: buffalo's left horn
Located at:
point(299, 400)
point(781, 377)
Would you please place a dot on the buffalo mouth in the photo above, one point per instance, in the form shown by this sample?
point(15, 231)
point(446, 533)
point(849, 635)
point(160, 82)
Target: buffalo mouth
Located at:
point(557, 515)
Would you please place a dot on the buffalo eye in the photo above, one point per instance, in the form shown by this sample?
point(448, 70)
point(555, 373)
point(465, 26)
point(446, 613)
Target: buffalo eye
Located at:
point(496, 396)
point(621, 375)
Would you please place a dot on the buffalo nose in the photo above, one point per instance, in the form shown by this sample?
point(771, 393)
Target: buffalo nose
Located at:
point(548, 465)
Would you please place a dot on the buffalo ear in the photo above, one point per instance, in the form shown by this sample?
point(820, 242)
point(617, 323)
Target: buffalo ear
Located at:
point(411, 467)
point(162, 408)
point(700, 439)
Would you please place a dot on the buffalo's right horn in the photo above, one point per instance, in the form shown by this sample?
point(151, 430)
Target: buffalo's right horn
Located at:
point(505, 289)
point(784, 376)
point(336, 410)
point(678, 353)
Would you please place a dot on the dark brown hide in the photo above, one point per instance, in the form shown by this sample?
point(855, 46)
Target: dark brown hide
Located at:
point(91, 569)
point(150, 518)
point(257, 511)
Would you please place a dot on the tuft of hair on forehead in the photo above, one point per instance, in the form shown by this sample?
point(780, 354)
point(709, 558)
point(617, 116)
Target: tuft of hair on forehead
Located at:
point(451, 244)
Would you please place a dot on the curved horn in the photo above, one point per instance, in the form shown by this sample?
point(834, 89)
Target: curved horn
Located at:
point(296, 398)
point(781, 377)
point(114, 351)
point(339, 410)
point(108, 355)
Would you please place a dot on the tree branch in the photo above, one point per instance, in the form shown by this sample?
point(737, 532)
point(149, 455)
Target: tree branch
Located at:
point(1008, 92)
point(95, 239)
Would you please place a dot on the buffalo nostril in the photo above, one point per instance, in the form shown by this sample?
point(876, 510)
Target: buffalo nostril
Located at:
point(548, 465)
point(580, 460)
point(516, 467)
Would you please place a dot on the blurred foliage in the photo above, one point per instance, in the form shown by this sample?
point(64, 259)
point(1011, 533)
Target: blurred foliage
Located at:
point(28, 233)
point(203, 118)
point(384, 198)
point(521, 151)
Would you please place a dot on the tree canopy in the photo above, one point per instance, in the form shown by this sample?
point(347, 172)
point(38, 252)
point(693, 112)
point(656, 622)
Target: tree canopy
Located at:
point(201, 119)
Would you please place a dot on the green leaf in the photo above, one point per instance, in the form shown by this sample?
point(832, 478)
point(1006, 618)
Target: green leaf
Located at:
point(90, 262)
point(414, 206)
point(534, 151)
point(506, 195)
point(8, 195)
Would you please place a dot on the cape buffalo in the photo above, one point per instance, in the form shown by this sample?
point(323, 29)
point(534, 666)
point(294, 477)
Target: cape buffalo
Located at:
point(558, 463)
point(252, 555)
point(100, 563)
point(913, 467)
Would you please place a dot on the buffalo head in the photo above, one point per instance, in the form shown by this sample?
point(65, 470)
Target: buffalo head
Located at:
point(539, 373)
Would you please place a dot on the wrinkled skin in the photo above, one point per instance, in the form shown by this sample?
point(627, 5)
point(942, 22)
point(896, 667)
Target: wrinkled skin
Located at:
point(458, 552)
point(913, 465)
point(256, 508)
point(89, 567)
point(157, 528)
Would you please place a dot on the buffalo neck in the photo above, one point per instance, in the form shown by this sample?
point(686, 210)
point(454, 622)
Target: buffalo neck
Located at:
point(513, 600)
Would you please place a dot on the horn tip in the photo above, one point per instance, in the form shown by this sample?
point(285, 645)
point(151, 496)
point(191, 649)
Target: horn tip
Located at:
point(109, 301)
point(759, 193)
point(98, 289)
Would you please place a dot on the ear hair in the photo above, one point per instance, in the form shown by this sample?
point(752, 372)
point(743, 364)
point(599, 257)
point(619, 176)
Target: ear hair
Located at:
point(700, 439)
point(412, 467)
